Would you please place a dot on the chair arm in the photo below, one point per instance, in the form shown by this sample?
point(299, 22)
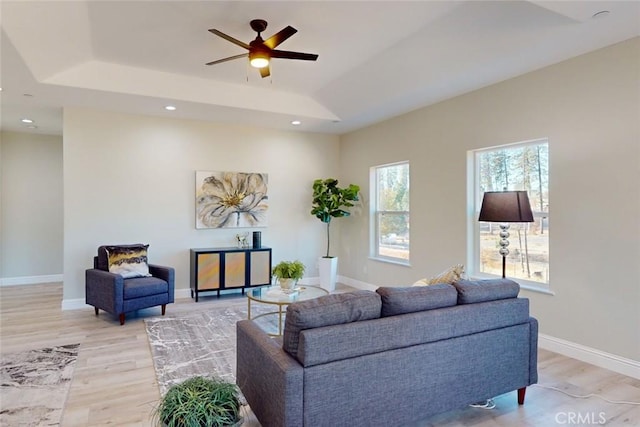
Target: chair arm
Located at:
point(104, 290)
point(168, 274)
point(270, 379)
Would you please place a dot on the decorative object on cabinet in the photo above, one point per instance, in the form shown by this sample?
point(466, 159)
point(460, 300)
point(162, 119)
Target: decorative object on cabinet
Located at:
point(231, 199)
point(219, 269)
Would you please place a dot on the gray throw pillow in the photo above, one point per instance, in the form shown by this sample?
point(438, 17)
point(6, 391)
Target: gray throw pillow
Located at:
point(326, 311)
point(400, 300)
point(473, 291)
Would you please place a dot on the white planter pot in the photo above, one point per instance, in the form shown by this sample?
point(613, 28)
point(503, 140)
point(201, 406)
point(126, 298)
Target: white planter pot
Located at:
point(287, 284)
point(328, 273)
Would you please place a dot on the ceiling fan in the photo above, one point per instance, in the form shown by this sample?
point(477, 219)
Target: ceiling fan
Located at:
point(261, 51)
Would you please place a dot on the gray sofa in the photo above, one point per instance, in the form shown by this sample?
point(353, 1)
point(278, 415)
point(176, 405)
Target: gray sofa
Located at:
point(390, 357)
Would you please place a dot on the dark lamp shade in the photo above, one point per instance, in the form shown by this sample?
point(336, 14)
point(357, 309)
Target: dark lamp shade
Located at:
point(505, 206)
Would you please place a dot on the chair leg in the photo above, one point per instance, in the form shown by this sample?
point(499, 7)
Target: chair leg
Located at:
point(121, 319)
point(96, 309)
point(164, 308)
point(521, 392)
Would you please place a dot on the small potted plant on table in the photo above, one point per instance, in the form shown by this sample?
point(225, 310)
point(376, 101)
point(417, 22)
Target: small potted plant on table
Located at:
point(200, 401)
point(288, 274)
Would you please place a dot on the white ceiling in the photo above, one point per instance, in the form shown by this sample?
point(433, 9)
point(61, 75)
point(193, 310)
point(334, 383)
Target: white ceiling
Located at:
point(377, 59)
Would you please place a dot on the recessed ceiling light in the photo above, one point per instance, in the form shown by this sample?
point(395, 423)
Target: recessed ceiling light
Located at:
point(170, 107)
point(27, 94)
point(32, 127)
point(26, 121)
point(296, 122)
point(601, 14)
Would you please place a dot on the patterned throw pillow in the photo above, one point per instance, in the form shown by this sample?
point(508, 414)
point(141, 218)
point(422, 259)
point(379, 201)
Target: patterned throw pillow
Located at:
point(449, 276)
point(128, 261)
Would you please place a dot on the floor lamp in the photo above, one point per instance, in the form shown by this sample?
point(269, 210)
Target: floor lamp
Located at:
point(505, 207)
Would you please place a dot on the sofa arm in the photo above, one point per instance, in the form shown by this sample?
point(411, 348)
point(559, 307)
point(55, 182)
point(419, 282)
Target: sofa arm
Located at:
point(168, 274)
point(270, 379)
point(533, 350)
point(104, 290)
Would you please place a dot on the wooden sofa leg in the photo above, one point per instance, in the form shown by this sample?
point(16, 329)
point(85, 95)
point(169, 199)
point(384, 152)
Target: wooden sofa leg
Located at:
point(521, 392)
point(121, 319)
point(96, 309)
point(164, 308)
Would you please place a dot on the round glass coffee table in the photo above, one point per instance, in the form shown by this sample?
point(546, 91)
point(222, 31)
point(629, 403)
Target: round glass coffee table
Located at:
point(275, 296)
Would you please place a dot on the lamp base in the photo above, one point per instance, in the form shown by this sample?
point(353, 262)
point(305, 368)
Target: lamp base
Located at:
point(504, 246)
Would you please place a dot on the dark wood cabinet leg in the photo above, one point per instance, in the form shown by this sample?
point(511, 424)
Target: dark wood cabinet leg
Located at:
point(96, 309)
point(121, 319)
point(164, 308)
point(521, 392)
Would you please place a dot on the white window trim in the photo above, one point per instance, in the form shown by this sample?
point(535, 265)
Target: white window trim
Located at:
point(373, 218)
point(473, 225)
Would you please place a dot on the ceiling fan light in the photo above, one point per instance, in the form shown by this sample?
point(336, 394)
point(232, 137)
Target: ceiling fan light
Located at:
point(258, 59)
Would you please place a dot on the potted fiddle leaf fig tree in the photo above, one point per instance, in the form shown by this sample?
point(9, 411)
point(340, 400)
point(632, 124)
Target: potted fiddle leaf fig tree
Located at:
point(331, 201)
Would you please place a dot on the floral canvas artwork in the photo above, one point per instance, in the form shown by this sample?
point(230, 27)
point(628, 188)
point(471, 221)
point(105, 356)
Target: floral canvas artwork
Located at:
point(231, 199)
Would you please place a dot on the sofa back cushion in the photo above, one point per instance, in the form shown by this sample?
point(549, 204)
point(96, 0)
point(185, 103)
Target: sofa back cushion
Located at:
point(416, 298)
point(473, 291)
point(325, 311)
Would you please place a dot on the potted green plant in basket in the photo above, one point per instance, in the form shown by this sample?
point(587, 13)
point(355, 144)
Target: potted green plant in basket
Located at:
point(331, 201)
point(200, 401)
point(288, 273)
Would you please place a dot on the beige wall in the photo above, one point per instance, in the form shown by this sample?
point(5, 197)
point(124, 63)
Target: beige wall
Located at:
point(31, 208)
point(132, 179)
point(589, 108)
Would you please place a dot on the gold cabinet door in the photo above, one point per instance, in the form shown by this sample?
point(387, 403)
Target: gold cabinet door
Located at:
point(235, 264)
point(260, 268)
point(209, 271)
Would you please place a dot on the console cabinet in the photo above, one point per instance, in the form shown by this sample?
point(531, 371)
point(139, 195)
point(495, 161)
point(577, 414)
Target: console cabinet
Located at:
point(219, 269)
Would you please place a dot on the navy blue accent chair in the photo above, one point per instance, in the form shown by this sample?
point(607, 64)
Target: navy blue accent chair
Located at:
point(117, 295)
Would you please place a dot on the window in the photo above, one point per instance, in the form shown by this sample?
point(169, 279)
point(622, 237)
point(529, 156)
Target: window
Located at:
point(523, 166)
point(390, 212)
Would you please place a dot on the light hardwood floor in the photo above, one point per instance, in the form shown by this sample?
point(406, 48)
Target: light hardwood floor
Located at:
point(114, 382)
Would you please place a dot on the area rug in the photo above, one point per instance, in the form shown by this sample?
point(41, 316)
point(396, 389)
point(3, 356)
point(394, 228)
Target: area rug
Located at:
point(35, 384)
point(202, 343)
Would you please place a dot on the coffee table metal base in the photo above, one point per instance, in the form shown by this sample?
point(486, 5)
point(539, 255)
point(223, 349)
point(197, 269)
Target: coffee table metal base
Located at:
point(261, 295)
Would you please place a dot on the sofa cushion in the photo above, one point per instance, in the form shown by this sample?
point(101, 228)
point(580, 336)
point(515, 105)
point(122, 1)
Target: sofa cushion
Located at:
point(450, 275)
point(416, 298)
point(128, 260)
point(473, 291)
point(325, 311)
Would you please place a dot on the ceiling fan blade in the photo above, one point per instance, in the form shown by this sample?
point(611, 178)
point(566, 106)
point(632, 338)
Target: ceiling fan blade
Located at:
point(229, 38)
point(265, 72)
point(293, 55)
point(242, 55)
point(279, 37)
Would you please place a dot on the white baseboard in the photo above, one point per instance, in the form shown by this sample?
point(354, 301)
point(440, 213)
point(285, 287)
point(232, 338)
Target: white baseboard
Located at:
point(586, 354)
point(74, 304)
point(356, 283)
point(30, 280)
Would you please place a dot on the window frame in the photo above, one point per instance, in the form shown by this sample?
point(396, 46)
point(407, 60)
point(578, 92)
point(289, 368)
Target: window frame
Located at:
point(474, 202)
point(375, 214)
